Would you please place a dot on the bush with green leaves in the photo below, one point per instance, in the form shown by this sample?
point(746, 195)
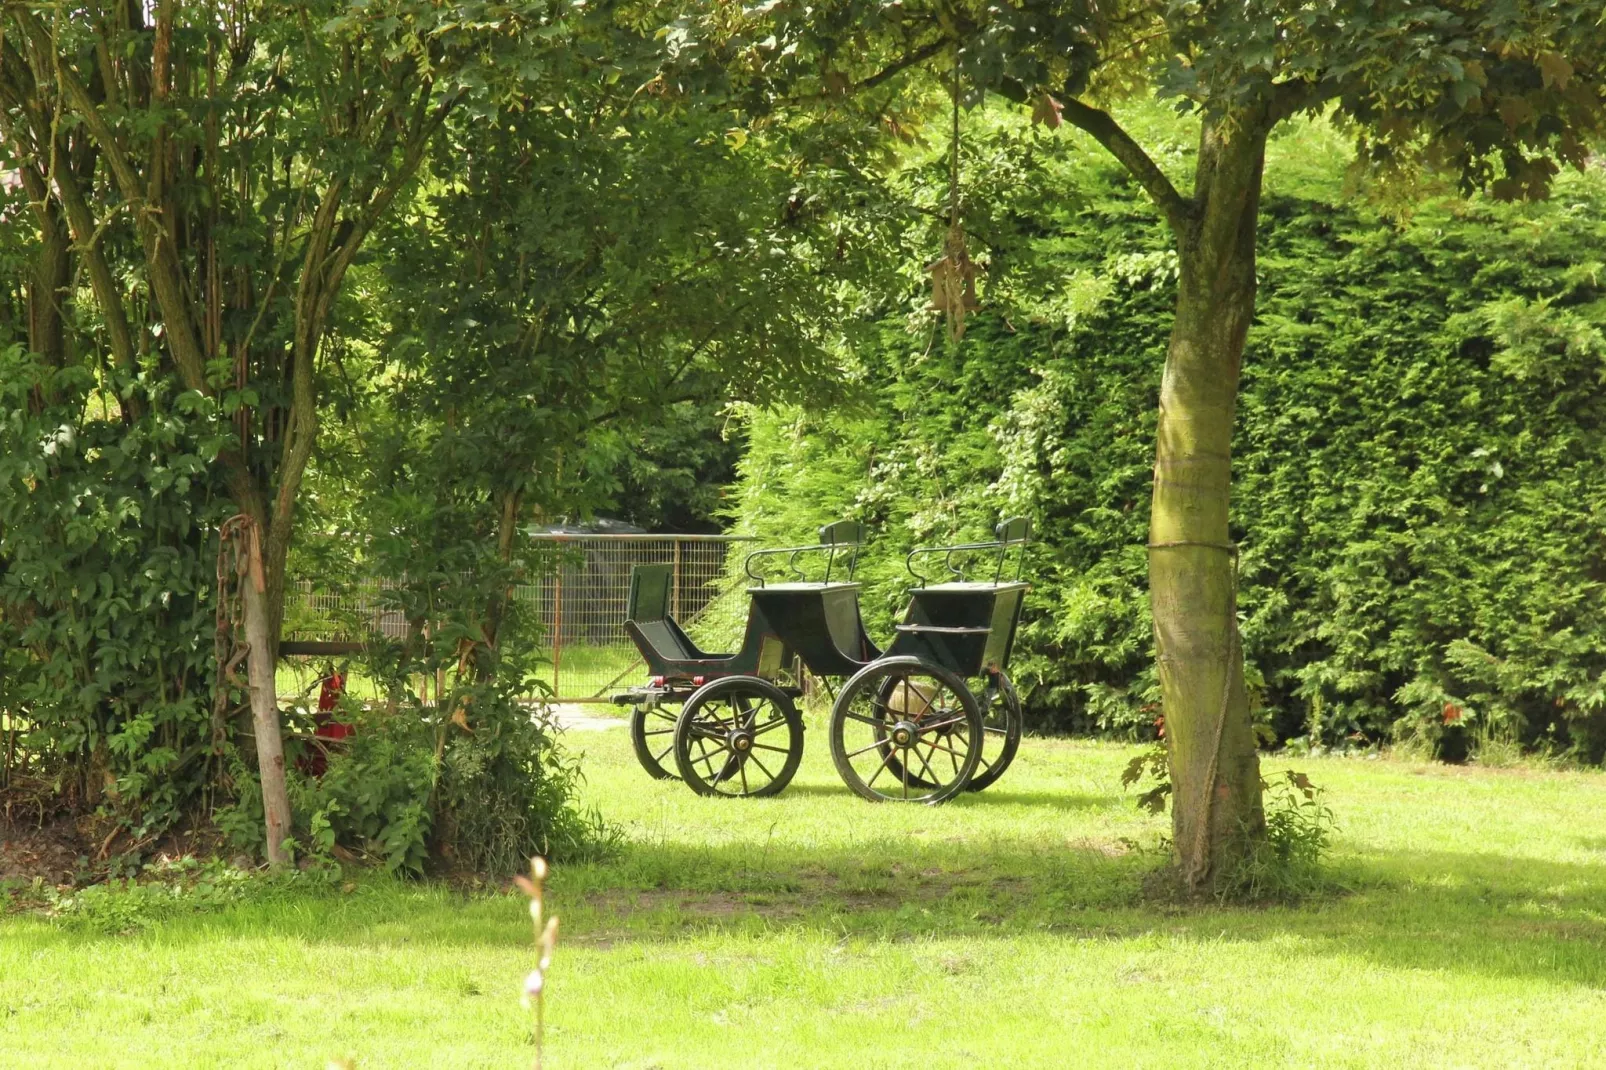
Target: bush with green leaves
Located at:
point(1417, 488)
point(473, 780)
point(108, 503)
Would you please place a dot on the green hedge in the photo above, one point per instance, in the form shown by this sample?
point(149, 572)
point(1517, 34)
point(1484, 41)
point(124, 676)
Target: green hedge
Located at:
point(1418, 480)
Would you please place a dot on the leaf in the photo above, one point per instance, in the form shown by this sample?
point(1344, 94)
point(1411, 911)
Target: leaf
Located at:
point(1153, 800)
point(1047, 110)
point(1515, 111)
point(1554, 69)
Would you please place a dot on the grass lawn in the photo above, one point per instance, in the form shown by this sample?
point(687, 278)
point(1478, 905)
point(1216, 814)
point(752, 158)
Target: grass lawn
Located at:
point(816, 930)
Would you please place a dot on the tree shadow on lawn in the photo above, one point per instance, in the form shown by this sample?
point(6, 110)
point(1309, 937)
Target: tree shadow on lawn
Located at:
point(1052, 800)
point(1485, 914)
point(1435, 910)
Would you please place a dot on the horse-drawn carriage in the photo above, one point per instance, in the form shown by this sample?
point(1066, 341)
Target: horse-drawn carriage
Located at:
point(925, 718)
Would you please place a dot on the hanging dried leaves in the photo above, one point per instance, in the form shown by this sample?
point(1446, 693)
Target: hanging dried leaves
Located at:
point(953, 282)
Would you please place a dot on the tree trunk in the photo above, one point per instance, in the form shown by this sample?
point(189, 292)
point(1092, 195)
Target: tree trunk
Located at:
point(265, 719)
point(508, 503)
point(1215, 771)
point(47, 289)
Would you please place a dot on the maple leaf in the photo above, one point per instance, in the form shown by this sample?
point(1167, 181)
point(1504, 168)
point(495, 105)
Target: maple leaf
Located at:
point(1554, 69)
point(1046, 110)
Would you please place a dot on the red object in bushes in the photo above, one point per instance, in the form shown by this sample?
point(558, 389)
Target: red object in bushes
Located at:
point(334, 685)
point(325, 729)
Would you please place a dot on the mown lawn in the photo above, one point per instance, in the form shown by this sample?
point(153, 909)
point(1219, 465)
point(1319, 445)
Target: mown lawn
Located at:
point(1003, 930)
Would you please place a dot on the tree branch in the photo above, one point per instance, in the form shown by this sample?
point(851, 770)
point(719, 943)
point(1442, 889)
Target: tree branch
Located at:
point(1179, 211)
point(881, 77)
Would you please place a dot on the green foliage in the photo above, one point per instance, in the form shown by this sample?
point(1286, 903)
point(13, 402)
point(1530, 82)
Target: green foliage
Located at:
point(1416, 495)
point(1153, 763)
point(106, 570)
point(477, 782)
point(165, 889)
point(375, 794)
point(1284, 864)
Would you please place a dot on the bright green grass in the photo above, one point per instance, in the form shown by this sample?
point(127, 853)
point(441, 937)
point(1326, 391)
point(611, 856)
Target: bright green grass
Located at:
point(1003, 930)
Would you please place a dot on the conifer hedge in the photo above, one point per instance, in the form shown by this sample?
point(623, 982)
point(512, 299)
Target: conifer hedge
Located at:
point(1418, 494)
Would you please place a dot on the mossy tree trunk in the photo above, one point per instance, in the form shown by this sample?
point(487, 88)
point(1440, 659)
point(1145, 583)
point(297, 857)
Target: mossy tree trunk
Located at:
point(1215, 772)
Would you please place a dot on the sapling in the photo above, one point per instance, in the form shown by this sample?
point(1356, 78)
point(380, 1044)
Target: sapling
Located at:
point(546, 938)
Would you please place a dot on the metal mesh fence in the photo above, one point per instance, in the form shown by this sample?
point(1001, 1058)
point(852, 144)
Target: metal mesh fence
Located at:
point(579, 600)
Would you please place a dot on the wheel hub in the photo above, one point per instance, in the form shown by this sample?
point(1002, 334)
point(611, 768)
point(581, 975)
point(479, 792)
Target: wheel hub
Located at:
point(741, 741)
point(904, 734)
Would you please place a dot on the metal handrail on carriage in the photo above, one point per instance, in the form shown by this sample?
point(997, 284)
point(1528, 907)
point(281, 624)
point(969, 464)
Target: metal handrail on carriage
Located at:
point(1011, 533)
point(843, 535)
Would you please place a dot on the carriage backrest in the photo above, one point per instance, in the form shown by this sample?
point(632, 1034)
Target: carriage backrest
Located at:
point(649, 593)
point(843, 533)
point(1017, 529)
point(842, 537)
point(647, 609)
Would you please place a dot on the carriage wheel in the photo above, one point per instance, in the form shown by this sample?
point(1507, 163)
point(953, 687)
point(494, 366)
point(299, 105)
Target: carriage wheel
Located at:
point(1001, 721)
point(905, 730)
point(652, 734)
point(740, 736)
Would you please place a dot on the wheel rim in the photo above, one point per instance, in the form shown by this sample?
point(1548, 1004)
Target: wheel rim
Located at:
point(1000, 715)
point(907, 737)
point(997, 750)
point(738, 743)
point(656, 742)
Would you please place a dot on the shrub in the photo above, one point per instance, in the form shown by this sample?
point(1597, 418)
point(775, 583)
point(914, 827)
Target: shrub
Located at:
point(1286, 863)
point(107, 559)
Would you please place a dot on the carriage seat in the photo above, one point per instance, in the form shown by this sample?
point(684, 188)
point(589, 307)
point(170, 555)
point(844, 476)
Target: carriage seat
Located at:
point(648, 610)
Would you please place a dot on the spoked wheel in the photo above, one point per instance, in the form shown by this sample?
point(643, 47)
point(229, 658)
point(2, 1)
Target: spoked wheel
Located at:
point(652, 734)
point(1001, 722)
point(905, 730)
point(738, 736)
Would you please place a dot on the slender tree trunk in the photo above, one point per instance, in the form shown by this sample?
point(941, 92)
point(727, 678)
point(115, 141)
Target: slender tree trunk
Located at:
point(47, 289)
point(265, 719)
point(496, 608)
point(1215, 771)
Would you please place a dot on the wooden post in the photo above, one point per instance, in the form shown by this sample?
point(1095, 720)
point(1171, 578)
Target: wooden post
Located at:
point(557, 628)
point(674, 587)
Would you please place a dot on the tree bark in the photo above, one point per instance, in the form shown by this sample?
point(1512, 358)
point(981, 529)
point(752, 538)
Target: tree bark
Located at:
point(1215, 771)
point(47, 289)
point(265, 718)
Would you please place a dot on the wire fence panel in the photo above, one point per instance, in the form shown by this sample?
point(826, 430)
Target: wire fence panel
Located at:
point(578, 598)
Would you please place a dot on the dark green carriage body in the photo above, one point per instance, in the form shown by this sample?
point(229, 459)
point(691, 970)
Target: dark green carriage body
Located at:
point(967, 628)
point(819, 622)
point(670, 653)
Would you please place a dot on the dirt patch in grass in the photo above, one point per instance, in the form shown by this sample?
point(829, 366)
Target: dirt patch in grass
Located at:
point(48, 850)
point(65, 849)
point(810, 890)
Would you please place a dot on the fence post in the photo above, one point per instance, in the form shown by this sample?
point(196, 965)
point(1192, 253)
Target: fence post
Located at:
point(674, 598)
point(557, 626)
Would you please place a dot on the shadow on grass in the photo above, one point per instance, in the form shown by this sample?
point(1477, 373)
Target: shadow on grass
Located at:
point(1051, 800)
point(1482, 914)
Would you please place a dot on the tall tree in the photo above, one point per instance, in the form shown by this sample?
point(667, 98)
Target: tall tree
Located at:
point(1487, 95)
point(244, 152)
point(565, 282)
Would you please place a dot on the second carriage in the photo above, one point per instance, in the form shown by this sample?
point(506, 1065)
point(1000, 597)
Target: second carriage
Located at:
point(929, 716)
